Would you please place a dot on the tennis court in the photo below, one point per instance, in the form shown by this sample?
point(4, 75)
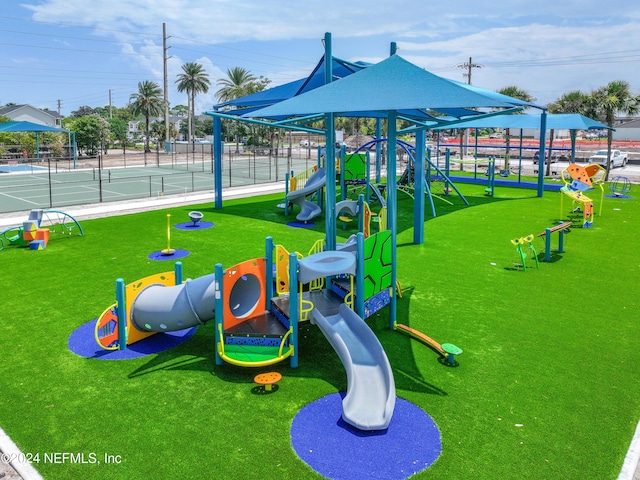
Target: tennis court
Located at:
point(35, 186)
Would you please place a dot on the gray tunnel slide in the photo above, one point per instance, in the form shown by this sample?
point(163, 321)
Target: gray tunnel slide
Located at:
point(158, 308)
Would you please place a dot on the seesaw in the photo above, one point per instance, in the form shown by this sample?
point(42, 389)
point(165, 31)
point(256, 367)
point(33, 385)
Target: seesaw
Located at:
point(447, 350)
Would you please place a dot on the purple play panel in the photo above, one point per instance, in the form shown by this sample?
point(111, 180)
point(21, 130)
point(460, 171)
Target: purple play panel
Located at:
point(335, 449)
point(301, 224)
point(82, 342)
point(190, 226)
point(174, 256)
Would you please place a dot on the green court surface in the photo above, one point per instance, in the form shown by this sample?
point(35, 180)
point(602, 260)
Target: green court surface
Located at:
point(38, 187)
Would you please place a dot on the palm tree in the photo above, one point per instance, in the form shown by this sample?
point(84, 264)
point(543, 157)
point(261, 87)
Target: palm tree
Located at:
point(193, 80)
point(513, 91)
point(570, 102)
point(149, 103)
point(605, 102)
point(239, 82)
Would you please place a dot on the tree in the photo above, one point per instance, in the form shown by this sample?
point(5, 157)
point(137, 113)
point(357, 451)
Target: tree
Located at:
point(148, 102)
point(257, 85)
point(158, 131)
point(239, 82)
point(513, 91)
point(92, 132)
point(570, 102)
point(605, 102)
point(193, 80)
point(119, 130)
point(83, 112)
point(179, 111)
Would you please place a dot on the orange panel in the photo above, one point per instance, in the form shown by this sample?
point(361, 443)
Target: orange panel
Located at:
point(244, 292)
point(579, 173)
point(43, 234)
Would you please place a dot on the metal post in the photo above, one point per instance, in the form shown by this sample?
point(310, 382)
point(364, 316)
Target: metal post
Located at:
point(122, 314)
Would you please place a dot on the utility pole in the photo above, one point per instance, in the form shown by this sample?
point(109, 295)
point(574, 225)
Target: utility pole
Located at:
point(59, 106)
point(468, 66)
point(166, 85)
point(110, 112)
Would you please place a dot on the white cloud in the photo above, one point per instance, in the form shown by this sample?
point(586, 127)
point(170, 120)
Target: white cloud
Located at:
point(282, 41)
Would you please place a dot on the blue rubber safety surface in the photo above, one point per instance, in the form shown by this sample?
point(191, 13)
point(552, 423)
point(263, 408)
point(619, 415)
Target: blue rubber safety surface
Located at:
point(174, 256)
point(191, 226)
point(83, 343)
point(301, 224)
point(336, 450)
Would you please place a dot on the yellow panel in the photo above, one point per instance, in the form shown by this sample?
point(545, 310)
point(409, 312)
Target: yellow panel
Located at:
point(131, 292)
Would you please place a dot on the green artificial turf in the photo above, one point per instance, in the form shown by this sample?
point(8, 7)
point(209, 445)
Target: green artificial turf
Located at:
point(546, 387)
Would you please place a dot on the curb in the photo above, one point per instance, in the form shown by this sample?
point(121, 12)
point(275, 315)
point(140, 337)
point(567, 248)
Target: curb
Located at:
point(25, 470)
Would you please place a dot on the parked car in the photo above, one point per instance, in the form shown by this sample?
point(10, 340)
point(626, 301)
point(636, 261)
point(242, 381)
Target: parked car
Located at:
point(618, 159)
point(536, 157)
point(495, 135)
point(433, 150)
point(305, 143)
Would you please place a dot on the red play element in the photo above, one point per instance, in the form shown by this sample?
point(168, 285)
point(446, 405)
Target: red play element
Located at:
point(107, 328)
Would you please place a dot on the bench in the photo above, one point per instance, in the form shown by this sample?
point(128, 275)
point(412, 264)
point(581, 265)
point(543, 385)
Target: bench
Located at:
point(562, 229)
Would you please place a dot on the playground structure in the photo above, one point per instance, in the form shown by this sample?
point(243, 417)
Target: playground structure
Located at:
point(355, 177)
point(447, 351)
point(577, 180)
point(407, 182)
point(562, 229)
point(169, 250)
point(254, 328)
point(195, 217)
point(36, 230)
point(157, 303)
point(619, 187)
point(527, 241)
point(300, 187)
point(520, 244)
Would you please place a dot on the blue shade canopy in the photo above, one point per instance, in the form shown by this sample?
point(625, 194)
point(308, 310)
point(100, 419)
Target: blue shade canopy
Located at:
point(496, 95)
point(556, 121)
point(391, 85)
point(340, 69)
point(28, 127)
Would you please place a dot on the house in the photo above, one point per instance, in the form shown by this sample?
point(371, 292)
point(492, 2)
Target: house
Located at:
point(136, 127)
point(627, 131)
point(28, 113)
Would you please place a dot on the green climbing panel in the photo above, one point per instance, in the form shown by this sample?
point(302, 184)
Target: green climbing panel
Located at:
point(377, 263)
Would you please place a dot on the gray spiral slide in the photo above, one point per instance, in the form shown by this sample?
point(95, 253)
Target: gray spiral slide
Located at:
point(158, 308)
point(371, 391)
point(308, 210)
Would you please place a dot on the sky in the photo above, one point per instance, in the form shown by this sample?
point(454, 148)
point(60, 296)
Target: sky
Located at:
point(64, 54)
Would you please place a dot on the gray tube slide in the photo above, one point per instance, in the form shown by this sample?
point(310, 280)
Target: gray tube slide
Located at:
point(158, 308)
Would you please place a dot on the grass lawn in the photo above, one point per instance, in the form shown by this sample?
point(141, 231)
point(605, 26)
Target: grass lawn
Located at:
point(547, 386)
